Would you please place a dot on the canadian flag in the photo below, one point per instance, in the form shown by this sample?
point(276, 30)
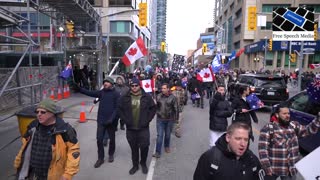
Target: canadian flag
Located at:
point(134, 52)
point(206, 75)
point(147, 85)
point(314, 66)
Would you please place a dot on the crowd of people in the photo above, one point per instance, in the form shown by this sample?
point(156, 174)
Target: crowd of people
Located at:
point(124, 100)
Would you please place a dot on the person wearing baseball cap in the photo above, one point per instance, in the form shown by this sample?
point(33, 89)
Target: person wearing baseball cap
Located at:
point(137, 109)
point(106, 118)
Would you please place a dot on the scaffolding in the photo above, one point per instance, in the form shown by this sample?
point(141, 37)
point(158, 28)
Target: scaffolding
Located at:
point(25, 86)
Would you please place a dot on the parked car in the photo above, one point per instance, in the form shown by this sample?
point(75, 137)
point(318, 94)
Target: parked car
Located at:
point(270, 89)
point(304, 111)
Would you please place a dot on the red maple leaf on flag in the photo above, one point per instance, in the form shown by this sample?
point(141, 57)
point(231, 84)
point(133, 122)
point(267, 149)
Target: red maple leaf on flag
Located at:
point(206, 75)
point(147, 85)
point(132, 51)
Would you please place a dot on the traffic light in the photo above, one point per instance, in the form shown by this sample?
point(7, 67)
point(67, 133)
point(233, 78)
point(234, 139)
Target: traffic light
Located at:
point(204, 48)
point(270, 45)
point(70, 28)
point(143, 14)
point(293, 58)
point(163, 47)
point(315, 31)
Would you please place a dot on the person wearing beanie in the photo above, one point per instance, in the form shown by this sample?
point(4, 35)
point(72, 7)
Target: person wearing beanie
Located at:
point(122, 88)
point(36, 158)
point(106, 118)
point(137, 109)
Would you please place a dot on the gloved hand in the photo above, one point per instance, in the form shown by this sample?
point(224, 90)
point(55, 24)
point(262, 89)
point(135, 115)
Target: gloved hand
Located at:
point(96, 100)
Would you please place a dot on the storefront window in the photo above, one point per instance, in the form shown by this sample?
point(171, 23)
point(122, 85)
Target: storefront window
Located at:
point(269, 59)
point(270, 7)
point(120, 26)
point(120, 2)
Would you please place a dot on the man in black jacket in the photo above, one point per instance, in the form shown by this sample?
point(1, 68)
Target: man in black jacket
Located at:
point(106, 119)
point(230, 159)
point(242, 108)
point(137, 109)
point(220, 110)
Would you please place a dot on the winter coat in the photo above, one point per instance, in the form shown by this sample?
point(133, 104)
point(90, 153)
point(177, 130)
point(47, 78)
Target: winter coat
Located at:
point(147, 110)
point(65, 150)
point(107, 112)
point(238, 104)
point(220, 110)
point(122, 89)
point(228, 167)
point(167, 107)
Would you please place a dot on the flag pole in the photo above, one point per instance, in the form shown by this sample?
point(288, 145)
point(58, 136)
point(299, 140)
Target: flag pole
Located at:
point(114, 67)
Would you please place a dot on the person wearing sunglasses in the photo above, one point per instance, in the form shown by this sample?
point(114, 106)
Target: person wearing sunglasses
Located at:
point(50, 149)
point(106, 118)
point(137, 109)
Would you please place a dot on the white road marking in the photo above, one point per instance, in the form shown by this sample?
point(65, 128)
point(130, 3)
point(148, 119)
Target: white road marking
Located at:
point(151, 166)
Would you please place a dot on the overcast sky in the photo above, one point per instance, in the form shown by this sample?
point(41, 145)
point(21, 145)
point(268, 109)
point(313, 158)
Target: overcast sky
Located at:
point(186, 19)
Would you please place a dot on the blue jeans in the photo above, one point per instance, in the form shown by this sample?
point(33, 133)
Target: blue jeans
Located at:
point(164, 128)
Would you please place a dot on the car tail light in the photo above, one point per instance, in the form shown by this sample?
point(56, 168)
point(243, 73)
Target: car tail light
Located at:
point(252, 89)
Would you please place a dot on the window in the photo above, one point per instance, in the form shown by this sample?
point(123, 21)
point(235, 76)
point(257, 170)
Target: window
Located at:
point(120, 3)
point(267, 27)
point(315, 6)
point(44, 21)
point(299, 102)
point(237, 45)
point(237, 30)
point(269, 58)
point(238, 13)
point(269, 7)
point(120, 27)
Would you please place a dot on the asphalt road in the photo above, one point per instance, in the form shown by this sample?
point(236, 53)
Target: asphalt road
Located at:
point(177, 165)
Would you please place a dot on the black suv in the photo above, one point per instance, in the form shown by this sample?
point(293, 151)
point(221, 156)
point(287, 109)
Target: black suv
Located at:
point(270, 89)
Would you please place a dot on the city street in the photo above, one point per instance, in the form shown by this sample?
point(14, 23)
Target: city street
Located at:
point(179, 164)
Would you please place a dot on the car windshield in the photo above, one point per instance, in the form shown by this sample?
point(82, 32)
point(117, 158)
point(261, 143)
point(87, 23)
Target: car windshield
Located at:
point(301, 102)
point(269, 82)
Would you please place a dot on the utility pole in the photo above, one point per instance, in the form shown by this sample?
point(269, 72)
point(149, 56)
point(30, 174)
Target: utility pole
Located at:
point(300, 66)
point(265, 53)
point(289, 63)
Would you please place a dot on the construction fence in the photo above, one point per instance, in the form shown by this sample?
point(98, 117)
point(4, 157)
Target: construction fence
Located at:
point(28, 86)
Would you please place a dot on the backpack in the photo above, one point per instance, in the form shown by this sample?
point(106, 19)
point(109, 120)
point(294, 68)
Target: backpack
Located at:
point(216, 158)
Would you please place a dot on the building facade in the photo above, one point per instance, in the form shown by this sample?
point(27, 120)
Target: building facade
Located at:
point(231, 29)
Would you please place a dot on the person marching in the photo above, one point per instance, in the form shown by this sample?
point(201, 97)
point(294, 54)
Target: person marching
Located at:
point(167, 113)
point(137, 109)
point(106, 118)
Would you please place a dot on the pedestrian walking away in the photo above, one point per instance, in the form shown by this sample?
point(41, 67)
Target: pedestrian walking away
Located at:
point(167, 114)
point(137, 109)
point(106, 118)
point(220, 110)
point(50, 148)
point(279, 144)
point(230, 159)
